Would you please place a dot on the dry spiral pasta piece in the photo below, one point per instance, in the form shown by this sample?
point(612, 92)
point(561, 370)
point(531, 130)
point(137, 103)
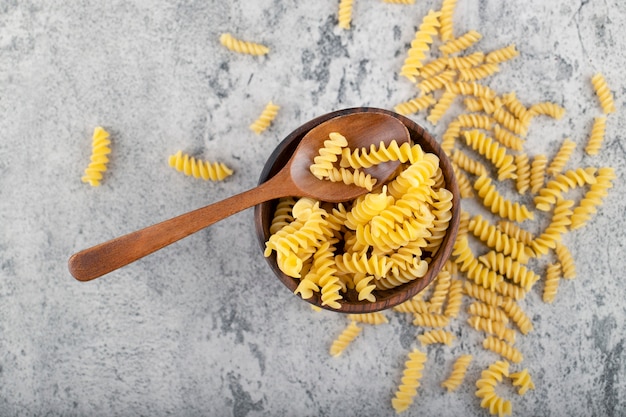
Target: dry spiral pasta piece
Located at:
point(547, 108)
point(419, 45)
point(568, 267)
point(485, 146)
point(502, 348)
point(523, 381)
point(412, 306)
point(486, 384)
point(551, 286)
point(441, 107)
point(344, 15)
point(242, 47)
point(562, 156)
point(461, 43)
point(511, 290)
point(372, 265)
point(455, 299)
point(436, 82)
point(517, 315)
point(492, 327)
point(596, 137)
point(206, 170)
point(430, 320)
point(467, 163)
point(362, 158)
point(411, 376)
point(477, 104)
point(446, 31)
point(474, 270)
point(414, 105)
point(516, 232)
point(498, 204)
point(282, 215)
point(467, 61)
point(562, 183)
point(503, 54)
point(436, 336)
point(434, 67)
point(593, 198)
point(507, 139)
point(483, 294)
point(516, 107)
point(266, 117)
point(364, 287)
point(509, 121)
point(328, 155)
point(478, 72)
point(459, 369)
point(442, 285)
point(510, 268)
point(367, 207)
point(603, 92)
point(472, 89)
point(496, 239)
point(369, 318)
point(496, 405)
point(356, 177)
point(522, 170)
point(487, 311)
point(538, 172)
point(466, 190)
point(442, 210)
point(561, 219)
point(344, 339)
point(99, 150)
point(476, 121)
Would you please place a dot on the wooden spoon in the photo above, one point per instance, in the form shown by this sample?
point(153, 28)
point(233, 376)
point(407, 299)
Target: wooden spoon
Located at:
point(294, 179)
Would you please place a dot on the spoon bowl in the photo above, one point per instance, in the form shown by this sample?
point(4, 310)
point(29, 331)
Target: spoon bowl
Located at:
point(264, 212)
point(294, 178)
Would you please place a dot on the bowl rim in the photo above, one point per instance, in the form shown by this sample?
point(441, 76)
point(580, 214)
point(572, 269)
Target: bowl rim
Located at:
point(396, 295)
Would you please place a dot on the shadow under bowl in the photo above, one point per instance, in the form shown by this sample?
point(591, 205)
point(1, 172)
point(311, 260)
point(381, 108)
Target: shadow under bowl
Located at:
point(263, 214)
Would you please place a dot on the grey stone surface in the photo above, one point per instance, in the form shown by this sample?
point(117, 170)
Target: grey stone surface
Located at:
point(202, 327)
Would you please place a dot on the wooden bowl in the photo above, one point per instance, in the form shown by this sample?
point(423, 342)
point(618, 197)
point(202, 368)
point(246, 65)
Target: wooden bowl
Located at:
point(263, 214)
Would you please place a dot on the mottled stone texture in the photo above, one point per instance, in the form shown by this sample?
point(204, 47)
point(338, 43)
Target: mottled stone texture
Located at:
point(202, 327)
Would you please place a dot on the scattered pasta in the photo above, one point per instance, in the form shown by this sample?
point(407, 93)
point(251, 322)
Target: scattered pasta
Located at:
point(242, 47)
point(266, 117)
point(344, 339)
point(411, 377)
point(603, 92)
point(458, 373)
point(188, 165)
point(99, 150)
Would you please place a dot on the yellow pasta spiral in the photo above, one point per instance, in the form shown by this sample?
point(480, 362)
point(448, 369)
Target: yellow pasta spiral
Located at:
point(596, 138)
point(372, 265)
point(570, 179)
point(206, 170)
point(523, 381)
point(364, 158)
point(593, 198)
point(328, 155)
point(436, 82)
point(436, 336)
point(551, 286)
point(369, 318)
point(509, 121)
point(446, 31)
point(537, 172)
point(492, 151)
point(516, 232)
point(344, 339)
point(508, 139)
point(547, 108)
point(476, 121)
point(412, 306)
point(282, 215)
point(561, 157)
point(472, 89)
point(356, 177)
point(99, 150)
point(479, 72)
point(516, 107)
point(420, 44)
point(411, 376)
point(367, 207)
point(498, 204)
point(442, 210)
point(442, 285)
point(459, 370)
point(517, 315)
point(496, 239)
point(502, 54)
point(496, 405)
point(455, 299)
point(561, 218)
point(364, 287)
point(467, 163)
point(568, 267)
point(415, 105)
point(522, 170)
point(502, 348)
point(266, 117)
point(474, 270)
point(461, 43)
point(441, 107)
point(344, 14)
point(243, 47)
point(488, 311)
point(511, 290)
point(493, 327)
point(483, 294)
point(433, 67)
point(603, 92)
point(430, 320)
point(468, 61)
point(510, 268)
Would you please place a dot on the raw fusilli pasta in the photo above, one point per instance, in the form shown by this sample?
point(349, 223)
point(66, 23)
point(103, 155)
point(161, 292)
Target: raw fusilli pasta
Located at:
point(596, 138)
point(502, 348)
point(266, 117)
point(415, 105)
point(243, 47)
point(496, 328)
point(436, 336)
point(561, 157)
point(446, 30)
point(478, 72)
point(568, 267)
point(420, 44)
point(487, 311)
point(344, 14)
point(455, 299)
point(553, 276)
point(494, 238)
point(603, 92)
point(547, 108)
point(510, 268)
point(411, 376)
point(206, 170)
point(99, 150)
point(523, 381)
point(498, 204)
point(328, 155)
point(522, 170)
point(537, 172)
point(461, 43)
point(493, 152)
point(344, 339)
point(467, 61)
point(369, 318)
point(441, 107)
point(458, 373)
point(503, 54)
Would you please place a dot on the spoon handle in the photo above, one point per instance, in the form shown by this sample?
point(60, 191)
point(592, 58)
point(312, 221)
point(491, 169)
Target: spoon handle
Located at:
point(106, 257)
